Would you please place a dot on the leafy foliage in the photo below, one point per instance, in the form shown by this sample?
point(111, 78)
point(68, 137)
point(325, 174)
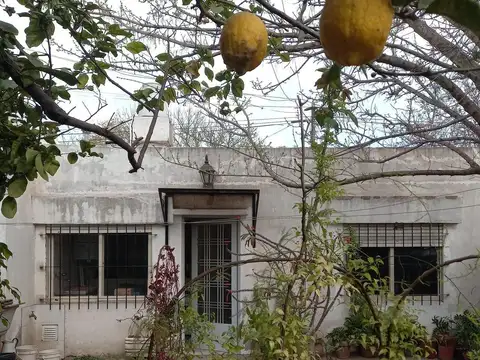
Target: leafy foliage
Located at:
point(31, 88)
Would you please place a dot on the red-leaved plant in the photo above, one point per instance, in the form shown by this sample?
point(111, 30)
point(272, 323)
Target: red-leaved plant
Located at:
point(161, 304)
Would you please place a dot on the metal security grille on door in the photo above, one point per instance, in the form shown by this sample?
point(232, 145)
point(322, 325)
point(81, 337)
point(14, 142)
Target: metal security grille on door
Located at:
point(214, 244)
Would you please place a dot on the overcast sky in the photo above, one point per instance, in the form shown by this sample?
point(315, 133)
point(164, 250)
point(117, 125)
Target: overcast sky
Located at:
point(271, 113)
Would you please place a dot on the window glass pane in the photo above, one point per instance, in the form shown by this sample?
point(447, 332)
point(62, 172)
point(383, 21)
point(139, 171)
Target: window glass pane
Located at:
point(410, 263)
point(75, 264)
point(126, 264)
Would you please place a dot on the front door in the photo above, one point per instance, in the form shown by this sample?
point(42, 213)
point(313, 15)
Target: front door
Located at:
point(213, 245)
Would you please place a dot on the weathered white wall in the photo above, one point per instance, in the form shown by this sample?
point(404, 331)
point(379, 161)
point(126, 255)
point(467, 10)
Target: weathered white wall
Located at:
point(101, 191)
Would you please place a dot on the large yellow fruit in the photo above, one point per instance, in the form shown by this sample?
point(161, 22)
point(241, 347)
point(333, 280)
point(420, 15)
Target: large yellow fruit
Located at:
point(354, 32)
point(243, 42)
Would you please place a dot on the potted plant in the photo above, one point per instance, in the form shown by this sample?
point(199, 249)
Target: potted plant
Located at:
point(354, 324)
point(465, 329)
point(319, 347)
point(338, 341)
point(368, 340)
point(432, 349)
point(369, 346)
point(444, 334)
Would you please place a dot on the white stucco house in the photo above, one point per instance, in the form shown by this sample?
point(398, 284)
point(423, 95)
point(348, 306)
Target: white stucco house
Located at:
point(84, 242)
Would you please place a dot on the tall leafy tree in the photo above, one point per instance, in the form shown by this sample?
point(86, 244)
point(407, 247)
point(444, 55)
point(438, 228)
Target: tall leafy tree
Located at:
point(439, 78)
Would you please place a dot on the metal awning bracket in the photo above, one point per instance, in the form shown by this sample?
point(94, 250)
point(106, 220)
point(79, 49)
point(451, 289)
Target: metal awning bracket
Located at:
point(165, 193)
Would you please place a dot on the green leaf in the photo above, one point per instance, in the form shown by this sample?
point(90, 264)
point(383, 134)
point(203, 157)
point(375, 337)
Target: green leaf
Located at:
point(209, 73)
point(17, 187)
point(163, 57)
point(222, 75)
point(85, 146)
point(169, 95)
point(31, 174)
point(72, 158)
point(135, 47)
point(116, 30)
point(351, 115)
point(8, 28)
point(237, 87)
point(52, 167)
point(226, 90)
point(329, 77)
point(82, 80)
point(285, 57)
point(225, 108)
point(103, 65)
point(50, 29)
point(62, 92)
point(184, 89)
point(196, 85)
point(463, 12)
point(207, 56)
point(65, 76)
point(146, 92)
point(30, 155)
point(98, 79)
point(6, 84)
point(91, 6)
point(35, 34)
point(54, 150)
point(40, 168)
point(186, 2)
point(15, 148)
point(423, 4)
point(9, 207)
point(211, 91)
point(192, 68)
point(35, 61)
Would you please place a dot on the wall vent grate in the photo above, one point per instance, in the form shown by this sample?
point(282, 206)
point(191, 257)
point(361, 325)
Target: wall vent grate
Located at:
point(49, 332)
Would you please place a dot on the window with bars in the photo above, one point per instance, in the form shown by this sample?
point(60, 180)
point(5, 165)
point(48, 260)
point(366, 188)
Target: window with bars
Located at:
point(406, 250)
point(98, 261)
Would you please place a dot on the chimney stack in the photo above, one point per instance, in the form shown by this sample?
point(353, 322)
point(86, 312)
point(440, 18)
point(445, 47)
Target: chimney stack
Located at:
point(163, 132)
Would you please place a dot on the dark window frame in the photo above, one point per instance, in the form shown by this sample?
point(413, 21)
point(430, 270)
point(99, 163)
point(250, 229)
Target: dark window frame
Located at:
point(404, 238)
point(96, 286)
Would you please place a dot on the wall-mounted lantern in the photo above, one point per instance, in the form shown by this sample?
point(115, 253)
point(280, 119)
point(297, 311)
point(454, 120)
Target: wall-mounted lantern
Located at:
point(207, 173)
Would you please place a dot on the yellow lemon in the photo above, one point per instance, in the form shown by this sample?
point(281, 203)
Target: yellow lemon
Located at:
point(354, 32)
point(243, 42)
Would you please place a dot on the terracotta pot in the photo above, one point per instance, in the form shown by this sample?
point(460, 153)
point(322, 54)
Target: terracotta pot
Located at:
point(432, 355)
point(367, 353)
point(445, 352)
point(343, 352)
